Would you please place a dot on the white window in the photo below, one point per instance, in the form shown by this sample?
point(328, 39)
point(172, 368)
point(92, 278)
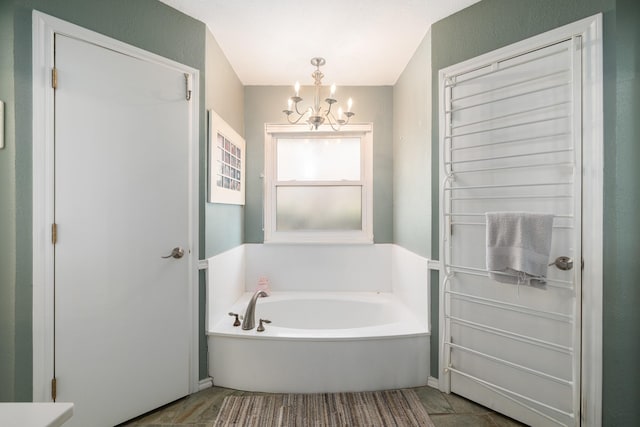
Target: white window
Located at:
point(318, 185)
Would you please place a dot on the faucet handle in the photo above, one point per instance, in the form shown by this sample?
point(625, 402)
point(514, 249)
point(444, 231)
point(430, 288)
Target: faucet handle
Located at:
point(238, 317)
point(261, 326)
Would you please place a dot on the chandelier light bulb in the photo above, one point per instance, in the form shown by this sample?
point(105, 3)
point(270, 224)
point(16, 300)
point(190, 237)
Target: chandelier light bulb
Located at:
point(297, 88)
point(333, 91)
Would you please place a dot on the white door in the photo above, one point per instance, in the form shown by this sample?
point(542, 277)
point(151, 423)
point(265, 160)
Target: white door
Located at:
point(512, 141)
point(122, 311)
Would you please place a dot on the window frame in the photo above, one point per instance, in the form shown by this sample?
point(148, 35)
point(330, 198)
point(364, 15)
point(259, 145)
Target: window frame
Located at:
point(273, 132)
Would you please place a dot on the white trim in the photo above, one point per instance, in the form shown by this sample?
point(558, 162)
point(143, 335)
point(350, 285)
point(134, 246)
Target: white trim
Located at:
point(44, 28)
point(1, 124)
point(324, 129)
point(433, 264)
point(43, 191)
point(205, 383)
point(590, 29)
point(592, 222)
point(433, 382)
point(364, 236)
point(215, 194)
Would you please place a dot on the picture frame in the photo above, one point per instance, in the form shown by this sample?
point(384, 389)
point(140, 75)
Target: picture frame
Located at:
point(225, 162)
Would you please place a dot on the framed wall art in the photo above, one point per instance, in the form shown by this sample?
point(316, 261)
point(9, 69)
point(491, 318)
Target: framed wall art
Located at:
point(226, 162)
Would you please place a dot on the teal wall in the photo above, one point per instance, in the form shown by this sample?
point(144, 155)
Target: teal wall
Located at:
point(492, 24)
point(224, 224)
point(621, 388)
point(147, 24)
point(412, 153)
point(7, 210)
point(374, 104)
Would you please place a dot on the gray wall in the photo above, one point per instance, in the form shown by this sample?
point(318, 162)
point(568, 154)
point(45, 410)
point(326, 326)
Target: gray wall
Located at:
point(147, 24)
point(412, 153)
point(264, 104)
point(491, 24)
point(621, 388)
point(224, 224)
point(7, 210)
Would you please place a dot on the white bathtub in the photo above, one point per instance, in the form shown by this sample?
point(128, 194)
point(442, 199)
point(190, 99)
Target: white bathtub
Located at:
point(321, 342)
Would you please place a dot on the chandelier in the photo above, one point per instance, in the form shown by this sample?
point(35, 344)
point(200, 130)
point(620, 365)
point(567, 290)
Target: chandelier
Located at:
point(316, 115)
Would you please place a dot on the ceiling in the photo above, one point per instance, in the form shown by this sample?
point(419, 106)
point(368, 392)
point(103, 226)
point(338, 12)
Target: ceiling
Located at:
point(365, 42)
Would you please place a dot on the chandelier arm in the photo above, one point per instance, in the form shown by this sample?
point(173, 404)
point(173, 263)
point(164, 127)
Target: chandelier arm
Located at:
point(335, 124)
point(294, 122)
point(329, 109)
point(333, 127)
point(297, 111)
point(342, 122)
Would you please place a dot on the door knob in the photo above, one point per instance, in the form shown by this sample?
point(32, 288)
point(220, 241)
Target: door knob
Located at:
point(176, 253)
point(563, 263)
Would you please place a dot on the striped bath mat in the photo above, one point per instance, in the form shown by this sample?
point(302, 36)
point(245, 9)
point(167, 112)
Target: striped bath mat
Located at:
point(381, 408)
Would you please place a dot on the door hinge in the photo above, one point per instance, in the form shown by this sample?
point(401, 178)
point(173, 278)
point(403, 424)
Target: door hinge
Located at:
point(54, 388)
point(54, 233)
point(54, 78)
point(187, 85)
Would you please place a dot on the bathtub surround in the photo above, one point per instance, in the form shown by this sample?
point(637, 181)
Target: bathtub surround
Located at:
point(411, 282)
point(227, 271)
point(340, 314)
point(320, 268)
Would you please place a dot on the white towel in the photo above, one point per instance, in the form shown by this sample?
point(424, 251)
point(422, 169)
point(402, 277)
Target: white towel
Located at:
point(518, 245)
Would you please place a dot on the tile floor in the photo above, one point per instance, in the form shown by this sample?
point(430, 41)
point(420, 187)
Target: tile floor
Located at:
point(200, 410)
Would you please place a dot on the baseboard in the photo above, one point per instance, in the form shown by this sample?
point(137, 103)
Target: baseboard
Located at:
point(433, 382)
point(206, 383)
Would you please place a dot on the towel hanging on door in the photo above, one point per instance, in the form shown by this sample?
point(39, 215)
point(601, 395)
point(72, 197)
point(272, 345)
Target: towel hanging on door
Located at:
point(518, 246)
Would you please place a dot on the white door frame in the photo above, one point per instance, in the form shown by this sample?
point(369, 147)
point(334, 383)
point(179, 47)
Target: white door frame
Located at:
point(44, 28)
point(592, 201)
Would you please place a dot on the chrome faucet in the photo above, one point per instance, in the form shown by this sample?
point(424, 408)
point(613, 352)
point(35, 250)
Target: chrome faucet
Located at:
point(249, 321)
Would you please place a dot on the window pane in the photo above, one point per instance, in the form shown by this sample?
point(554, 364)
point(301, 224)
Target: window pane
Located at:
point(330, 159)
point(319, 208)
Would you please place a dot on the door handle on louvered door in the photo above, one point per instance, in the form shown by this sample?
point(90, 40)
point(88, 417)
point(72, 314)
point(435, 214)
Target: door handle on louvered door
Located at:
point(563, 263)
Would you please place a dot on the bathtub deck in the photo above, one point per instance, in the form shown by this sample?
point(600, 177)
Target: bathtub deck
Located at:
point(332, 325)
